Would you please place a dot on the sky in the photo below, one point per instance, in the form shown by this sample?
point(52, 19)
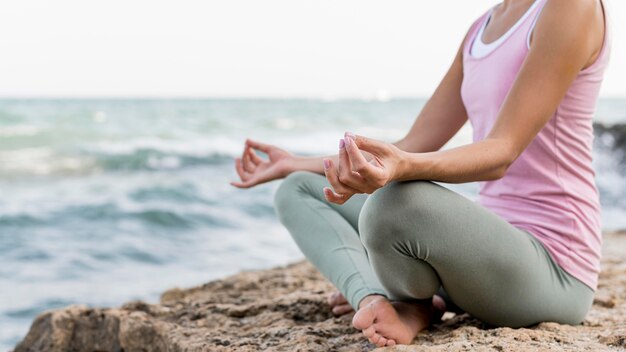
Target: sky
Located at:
point(242, 48)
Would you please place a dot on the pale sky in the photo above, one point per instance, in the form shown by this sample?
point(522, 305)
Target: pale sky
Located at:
point(239, 48)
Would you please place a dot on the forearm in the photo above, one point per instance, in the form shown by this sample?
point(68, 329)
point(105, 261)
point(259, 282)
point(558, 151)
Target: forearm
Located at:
point(482, 161)
point(313, 164)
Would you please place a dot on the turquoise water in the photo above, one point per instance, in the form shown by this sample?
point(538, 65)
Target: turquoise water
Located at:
point(104, 201)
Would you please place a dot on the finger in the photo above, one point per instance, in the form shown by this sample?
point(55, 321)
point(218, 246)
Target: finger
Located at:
point(357, 160)
point(336, 197)
point(332, 175)
point(344, 161)
point(243, 175)
point(248, 165)
point(359, 164)
point(265, 148)
point(345, 170)
point(370, 145)
point(254, 157)
point(246, 184)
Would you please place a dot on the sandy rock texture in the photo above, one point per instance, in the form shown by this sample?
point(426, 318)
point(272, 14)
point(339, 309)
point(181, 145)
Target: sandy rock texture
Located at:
point(285, 309)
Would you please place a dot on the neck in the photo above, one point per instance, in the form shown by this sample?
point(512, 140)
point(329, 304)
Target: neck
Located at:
point(507, 4)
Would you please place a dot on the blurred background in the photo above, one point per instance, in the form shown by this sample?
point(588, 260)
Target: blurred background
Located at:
point(119, 121)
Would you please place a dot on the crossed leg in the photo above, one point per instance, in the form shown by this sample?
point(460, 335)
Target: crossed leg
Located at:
point(389, 253)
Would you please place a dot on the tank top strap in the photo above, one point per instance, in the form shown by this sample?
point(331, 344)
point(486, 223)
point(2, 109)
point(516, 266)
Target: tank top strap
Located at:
point(473, 31)
point(519, 30)
point(535, 16)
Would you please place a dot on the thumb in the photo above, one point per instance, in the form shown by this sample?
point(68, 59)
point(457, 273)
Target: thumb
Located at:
point(265, 148)
point(245, 184)
point(372, 146)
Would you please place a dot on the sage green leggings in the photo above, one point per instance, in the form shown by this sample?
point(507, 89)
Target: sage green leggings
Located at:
point(410, 240)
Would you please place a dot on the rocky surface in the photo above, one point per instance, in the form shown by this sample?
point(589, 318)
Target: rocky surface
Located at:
point(285, 309)
point(615, 135)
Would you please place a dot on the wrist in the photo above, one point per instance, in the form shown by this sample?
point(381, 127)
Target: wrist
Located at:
point(291, 165)
point(408, 167)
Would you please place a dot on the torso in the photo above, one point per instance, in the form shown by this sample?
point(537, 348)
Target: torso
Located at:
point(549, 190)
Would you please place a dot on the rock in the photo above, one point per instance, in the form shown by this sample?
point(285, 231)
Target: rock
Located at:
point(617, 132)
point(285, 309)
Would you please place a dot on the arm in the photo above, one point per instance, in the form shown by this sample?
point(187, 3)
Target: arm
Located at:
point(440, 119)
point(567, 38)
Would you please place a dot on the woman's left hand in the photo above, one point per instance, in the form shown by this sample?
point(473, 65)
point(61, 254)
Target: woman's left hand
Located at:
point(354, 174)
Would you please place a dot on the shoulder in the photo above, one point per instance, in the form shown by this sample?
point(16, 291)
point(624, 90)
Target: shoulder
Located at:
point(571, 18)
point(570, 26)
point(570, 11)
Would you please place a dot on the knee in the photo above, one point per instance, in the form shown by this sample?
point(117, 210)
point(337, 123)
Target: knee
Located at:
point(394, 214)
point(290, 190)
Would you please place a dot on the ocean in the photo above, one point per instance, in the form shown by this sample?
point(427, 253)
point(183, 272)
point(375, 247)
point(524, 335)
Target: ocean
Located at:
point(106, 201)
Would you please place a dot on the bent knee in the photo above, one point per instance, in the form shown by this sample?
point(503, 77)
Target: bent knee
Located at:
point(396, 213)
point(292, 187)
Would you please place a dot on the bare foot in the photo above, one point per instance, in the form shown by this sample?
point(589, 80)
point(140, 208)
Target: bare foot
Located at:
point(387, 323)
point(339, 304)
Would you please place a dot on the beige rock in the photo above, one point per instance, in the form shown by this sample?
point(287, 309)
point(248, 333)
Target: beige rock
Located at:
point(285, 309)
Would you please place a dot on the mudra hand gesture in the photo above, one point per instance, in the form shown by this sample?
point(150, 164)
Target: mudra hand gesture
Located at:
point(254, 170)
point(356, 174)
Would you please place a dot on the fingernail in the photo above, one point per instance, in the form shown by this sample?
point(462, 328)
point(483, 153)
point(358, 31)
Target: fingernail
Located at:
point(350, 135)
point(326, 164)
point(342, 143)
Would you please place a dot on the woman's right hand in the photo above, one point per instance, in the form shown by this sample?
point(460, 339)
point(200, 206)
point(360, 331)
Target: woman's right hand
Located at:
point(254, 170)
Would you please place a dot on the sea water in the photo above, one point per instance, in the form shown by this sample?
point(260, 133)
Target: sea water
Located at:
point(106, 201)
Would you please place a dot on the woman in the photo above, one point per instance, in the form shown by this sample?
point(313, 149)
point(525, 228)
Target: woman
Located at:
point(527, 76)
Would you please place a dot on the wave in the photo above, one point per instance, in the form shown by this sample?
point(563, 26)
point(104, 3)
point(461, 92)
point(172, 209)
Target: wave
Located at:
point(49, 162)
point(148, 154)
point(18, 131)
point(161, 154)
point(165, 217)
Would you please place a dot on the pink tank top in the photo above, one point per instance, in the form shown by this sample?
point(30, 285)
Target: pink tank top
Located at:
point(549, 190)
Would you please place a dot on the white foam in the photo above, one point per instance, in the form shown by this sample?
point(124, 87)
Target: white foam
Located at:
point(18, 131)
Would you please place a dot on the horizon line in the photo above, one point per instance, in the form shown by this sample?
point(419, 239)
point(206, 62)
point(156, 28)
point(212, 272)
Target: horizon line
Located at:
point(233, 97)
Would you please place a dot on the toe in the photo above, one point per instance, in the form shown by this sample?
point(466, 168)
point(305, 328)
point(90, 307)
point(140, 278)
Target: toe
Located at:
point(382, 342)
point(332, 298)
point(439, 303)
point(364, 318)
point(341, 299)
point(374, 339)
point(391, 342)
point(342, 309)
point(369, 332)
point(336, 298)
